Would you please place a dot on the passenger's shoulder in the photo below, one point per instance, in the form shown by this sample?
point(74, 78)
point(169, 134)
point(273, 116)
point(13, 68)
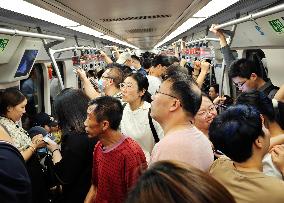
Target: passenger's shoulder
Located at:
point(223, 161)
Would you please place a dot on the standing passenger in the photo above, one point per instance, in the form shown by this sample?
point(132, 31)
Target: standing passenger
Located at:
point(174, 107)
point(240, 135)
point(175, 182)
point(136, 121)
point(117, 158)
point(73, 165)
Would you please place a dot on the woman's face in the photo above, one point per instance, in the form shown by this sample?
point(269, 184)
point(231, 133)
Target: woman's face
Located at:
point(205, 115)
point(130, 92)
point(15, 113)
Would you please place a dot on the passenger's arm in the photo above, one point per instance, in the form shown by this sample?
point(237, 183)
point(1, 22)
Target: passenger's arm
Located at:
point(279, 96)
point(201, 77)
point(37, 142)
point(225, 49)
point(107, 59)
point(91, 196)
point(116, 52)
point(277, 155)
point(219, 34)
point(277, 140)
point(88, 87)
point(54, 149)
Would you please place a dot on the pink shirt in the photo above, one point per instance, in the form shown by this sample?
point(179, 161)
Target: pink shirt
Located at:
point(187, 145)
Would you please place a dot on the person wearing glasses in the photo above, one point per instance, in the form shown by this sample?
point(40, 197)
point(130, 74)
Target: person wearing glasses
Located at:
point(246, 76)
point(174, 106)
point(107, 85)
point(136, 121)
point(205, 115)
point(247, 73)
point(240, 134)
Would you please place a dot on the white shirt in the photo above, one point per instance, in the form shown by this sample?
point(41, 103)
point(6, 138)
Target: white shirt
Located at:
point(154, 84)
point(135, 124)
point(269, 168)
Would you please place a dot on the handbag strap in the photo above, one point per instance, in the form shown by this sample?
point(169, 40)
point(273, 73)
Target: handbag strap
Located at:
point(154, 132)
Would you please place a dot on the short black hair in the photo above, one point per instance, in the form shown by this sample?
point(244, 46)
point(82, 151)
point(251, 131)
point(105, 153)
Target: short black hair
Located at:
point(244, 68)
point(186, 90)
point(234, 131)
point(260, 101)
point(163, 60)
point(116, 73)
point(108, 108)
point(136, 58)
point(216, 87)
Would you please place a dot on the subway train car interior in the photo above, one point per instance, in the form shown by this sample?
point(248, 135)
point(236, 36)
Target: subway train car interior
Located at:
point(141, 101)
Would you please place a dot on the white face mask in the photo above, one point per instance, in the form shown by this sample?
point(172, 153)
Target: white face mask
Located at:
point(101, 85)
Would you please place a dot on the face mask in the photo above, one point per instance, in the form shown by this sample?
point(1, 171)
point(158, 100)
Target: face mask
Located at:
point(101, 85)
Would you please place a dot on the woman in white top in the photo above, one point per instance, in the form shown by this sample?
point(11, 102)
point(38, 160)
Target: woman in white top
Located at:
point(136, 120)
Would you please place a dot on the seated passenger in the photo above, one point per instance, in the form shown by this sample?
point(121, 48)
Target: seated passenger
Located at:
point(174, 106)
point(117, 158)
point(239, 134)
point(73, 164)
point(49, 124)
point(176, 182)
point(136, 121)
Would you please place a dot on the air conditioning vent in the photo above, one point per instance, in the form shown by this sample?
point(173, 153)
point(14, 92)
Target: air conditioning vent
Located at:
point(141, 30)
point(135, 18)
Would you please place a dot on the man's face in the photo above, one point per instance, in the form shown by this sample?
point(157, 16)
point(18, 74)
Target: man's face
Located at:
point(212, 93)
point(92, 127)
point(162, 101)
point(244, 84)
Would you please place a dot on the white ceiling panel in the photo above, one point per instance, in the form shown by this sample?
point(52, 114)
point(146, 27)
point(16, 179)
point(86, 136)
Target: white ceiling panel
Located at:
point(142, 23)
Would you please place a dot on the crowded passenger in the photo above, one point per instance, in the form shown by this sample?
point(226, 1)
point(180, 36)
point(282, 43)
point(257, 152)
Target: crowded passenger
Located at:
point(240, 135)
point(247, 74)
point(177, 182)
point(107, 85)
point(136, 120)
point(136, 64)
point(117, 158)
point(159, 66)
point(205, 115)
point(12, 108)
point(213, 91)
point(73, 163)
point(15, 184)
point(264, 105)
point(174, 106)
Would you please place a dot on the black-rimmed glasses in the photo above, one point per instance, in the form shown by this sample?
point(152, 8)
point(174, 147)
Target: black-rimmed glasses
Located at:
point(158, 92)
